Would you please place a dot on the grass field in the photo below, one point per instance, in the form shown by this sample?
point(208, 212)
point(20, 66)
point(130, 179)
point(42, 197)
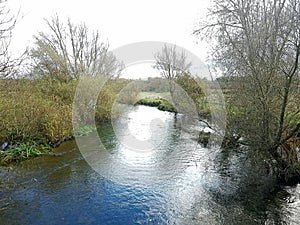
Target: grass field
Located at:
point(155, 95)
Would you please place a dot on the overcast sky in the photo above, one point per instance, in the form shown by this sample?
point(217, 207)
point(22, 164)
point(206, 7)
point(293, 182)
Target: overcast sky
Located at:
point(119, 22)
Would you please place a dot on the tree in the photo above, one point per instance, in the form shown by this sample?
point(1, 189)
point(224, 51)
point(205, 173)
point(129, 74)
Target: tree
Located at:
point(171, 64)
point(66, 52)
point(8, 22)
point(257, 42)
point(195, 92)
point(187, 95)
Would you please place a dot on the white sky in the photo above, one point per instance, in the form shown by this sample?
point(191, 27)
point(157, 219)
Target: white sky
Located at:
point(119, 22)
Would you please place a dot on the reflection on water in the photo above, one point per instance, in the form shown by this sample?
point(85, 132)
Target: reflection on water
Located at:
point(175, 181)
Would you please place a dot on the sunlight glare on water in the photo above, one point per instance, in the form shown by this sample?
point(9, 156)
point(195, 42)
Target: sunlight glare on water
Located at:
point(141, 131)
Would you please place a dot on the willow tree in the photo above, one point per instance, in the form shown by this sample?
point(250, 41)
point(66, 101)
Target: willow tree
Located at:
point(257, 45)
point(68, 51)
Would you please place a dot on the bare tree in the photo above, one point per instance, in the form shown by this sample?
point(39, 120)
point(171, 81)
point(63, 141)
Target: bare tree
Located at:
point(187, 96)
point(258, 45)
point(8, 65)
point(67, 52)
point(171, 64)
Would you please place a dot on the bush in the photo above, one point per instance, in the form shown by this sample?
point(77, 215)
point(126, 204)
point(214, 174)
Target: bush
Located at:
point(38, 113)
point(28, 114)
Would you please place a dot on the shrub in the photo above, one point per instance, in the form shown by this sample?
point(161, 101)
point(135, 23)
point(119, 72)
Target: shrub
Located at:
point(38, 113)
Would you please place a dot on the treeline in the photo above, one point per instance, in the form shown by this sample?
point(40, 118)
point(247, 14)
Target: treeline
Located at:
point(155, 84)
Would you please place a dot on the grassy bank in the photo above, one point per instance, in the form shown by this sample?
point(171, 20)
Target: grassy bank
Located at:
point(161, 104)
point(36, 115)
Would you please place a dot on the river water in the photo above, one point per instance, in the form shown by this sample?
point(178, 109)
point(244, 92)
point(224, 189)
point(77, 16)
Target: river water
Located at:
point(167, 178)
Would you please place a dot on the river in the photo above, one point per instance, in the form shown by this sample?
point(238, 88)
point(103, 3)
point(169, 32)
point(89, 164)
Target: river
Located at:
point(173, 180)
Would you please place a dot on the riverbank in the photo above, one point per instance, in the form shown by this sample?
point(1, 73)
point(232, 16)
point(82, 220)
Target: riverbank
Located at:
point(159, 103)
point(36, 115)
point(22, 151)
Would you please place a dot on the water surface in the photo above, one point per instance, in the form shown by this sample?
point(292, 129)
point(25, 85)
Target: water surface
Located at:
point(173, 180)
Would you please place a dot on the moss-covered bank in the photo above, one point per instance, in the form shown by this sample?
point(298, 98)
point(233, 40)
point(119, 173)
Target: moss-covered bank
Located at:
point(160, 104)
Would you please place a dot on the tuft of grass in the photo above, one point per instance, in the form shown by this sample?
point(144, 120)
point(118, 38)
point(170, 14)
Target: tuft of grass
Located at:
point(22, 151)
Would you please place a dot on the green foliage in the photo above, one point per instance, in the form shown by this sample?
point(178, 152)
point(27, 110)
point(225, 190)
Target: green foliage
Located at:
point(84, 130)
point(234, 110)
point(106, 99)
point(149, 102)
point(161, 104)
point(166, 106)
point(292, 119)
point(194, 91)
point(22, 151)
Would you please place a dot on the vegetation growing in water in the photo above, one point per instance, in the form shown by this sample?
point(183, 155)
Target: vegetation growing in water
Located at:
point(22, 151)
